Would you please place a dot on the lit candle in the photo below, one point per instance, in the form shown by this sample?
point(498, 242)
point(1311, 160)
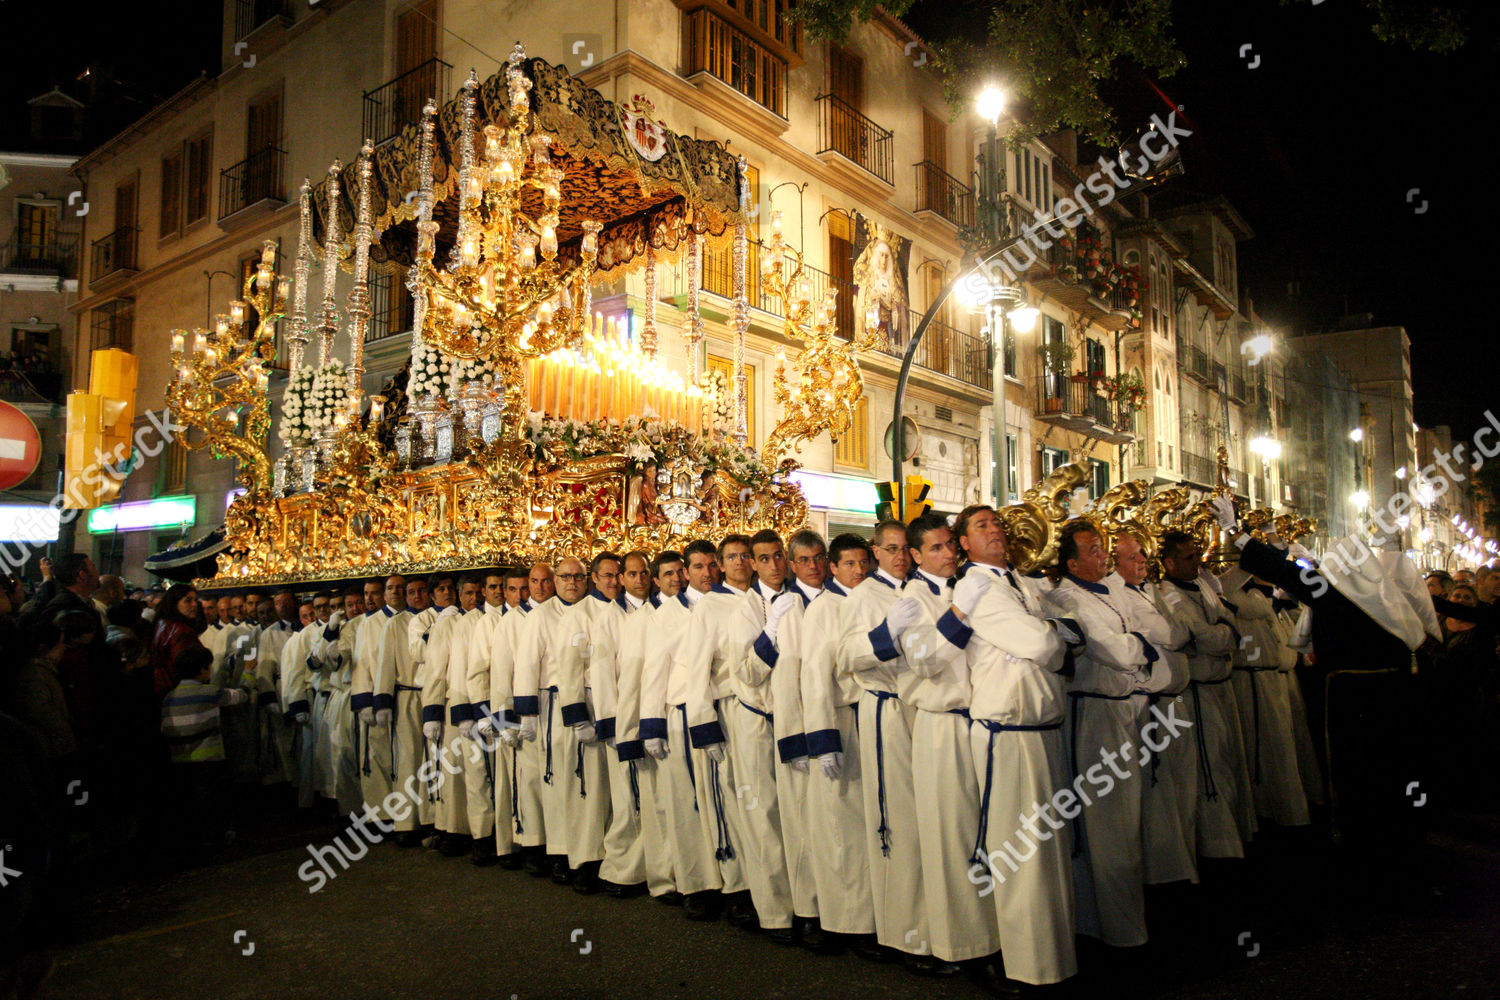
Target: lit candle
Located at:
point(535, 384)
point(283, 289)
point(177, 343)
point(221, 325)
point(210, 357)
point(237, 312)
point(549, 242)
point(377, 408)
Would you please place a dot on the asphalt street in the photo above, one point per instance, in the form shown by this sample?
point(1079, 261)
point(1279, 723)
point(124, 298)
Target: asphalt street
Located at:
point(1296, 919)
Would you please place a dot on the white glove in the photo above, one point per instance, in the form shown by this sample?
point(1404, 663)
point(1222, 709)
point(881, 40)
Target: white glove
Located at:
point(715, 752)
point(586, 734)
point(968, 591)
point(1224, 510)
point(902, 616)
point(798, 764)
point(432, 730)
point(832, 765)
point(1282, 595)
point(510, 737)
point(779, 607)
point(657, 749)
point(1065, 632)
point(486, 727)
point(528, 728)
point(300, 718)
point(466, 729)
point(382, 717)
point(336, 619)
point(1212, 581)
point(1299, 551)
point(367, 716)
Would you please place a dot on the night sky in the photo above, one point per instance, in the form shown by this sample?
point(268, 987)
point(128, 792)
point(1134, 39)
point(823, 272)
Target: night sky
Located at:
point(1318, 147)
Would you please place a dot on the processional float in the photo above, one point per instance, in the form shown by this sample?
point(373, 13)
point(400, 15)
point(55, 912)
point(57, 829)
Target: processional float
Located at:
point(524, 426)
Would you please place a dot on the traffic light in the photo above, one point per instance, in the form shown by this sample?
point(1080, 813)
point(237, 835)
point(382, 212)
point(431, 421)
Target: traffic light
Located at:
point(905, 505)
point(100, 423)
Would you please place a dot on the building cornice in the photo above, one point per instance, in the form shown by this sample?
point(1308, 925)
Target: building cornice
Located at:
point(146, 122)
point(60, 161)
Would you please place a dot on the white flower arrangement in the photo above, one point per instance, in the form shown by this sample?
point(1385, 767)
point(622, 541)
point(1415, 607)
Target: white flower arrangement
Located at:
point(465, 371)
point(328, 398)
point(430, 371)
point(718, 401)
point(295, 427)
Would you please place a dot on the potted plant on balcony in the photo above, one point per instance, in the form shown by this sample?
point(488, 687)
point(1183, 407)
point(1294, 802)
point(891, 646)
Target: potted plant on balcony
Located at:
point(1128, 390)
point(1056, 356)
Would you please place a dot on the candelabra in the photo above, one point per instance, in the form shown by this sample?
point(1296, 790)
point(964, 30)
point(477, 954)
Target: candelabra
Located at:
point(827, 385)
point(506, 294)
point(222, 372)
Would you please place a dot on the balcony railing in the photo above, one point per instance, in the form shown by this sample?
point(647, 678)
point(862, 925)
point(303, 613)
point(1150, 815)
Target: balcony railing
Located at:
point(113, 253)
point(389, 107)
point(718, 278)
point(939, 191)
point(843, 130)
point(255, 178)
point(1237, 384)
point(251, 14)
point(712, 45)
point(1199, 469)
point(1194, 362)
point(949, 351)
point(1060, 394)
point(58, 257)
point(112, 325)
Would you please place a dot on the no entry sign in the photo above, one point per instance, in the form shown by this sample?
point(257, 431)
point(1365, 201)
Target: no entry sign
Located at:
point(20, 447)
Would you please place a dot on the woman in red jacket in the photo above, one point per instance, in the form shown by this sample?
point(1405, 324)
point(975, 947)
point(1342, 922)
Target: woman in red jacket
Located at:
point(177, 628)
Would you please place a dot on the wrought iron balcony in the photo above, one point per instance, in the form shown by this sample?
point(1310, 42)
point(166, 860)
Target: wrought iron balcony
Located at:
point(254, 179)
point(389, 107)
point(59, 256)
point(1199, 469)
point(1074, 402)
point(939, 191)
point(112, 325)
point(843, 130)
point(712, 45)
point(114, 253)
point(949, 351)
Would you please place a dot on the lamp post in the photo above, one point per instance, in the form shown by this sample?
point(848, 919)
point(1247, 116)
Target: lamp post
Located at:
point(1005, 309)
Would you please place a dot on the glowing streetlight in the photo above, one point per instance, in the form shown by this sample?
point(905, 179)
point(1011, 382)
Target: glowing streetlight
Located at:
point(1024, 318)
point(1360, 499)
point(1258, 346)
point(1267, 447)
point(1357, 435)
point(990, 104)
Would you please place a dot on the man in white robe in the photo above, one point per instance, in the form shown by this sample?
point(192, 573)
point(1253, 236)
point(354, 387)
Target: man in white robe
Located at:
point(439, 729)
point(491, 673)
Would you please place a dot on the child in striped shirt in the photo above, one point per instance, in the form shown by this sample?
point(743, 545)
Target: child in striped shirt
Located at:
point(190, 723)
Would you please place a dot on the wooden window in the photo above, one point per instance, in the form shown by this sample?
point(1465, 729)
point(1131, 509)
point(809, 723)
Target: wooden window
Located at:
point(934, 140)
point(171, 194)
point(125, 206)
point(939, 336)
point(725, 365)
point(718, 46)
point(841, 268)
point(853, 447)
point(36, 229)
point(1093, 354)
point(416, 47)
point(263, 124)
point(846, 77)
point(199, 164)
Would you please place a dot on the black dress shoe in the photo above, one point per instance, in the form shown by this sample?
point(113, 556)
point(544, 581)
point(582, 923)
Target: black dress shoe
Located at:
point(989, 976)
point(928, 965)
point(669, 898)
point(561, 873)
point(741, 912)
point(619, 891)
point(869, 949)
point(536, 863)
point(782, 935)
point(812, 936)
point(484, 852)
point(511, 862)
point(701, 905)
point(586, 879)
point(454, 845)
point(409, 838)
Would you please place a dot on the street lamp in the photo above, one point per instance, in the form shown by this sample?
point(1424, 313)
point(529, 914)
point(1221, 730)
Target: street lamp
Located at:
point(1357, 435)
point(1267, 447)
point(990, 105)
point(1360, 499)
point(1257, 347)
